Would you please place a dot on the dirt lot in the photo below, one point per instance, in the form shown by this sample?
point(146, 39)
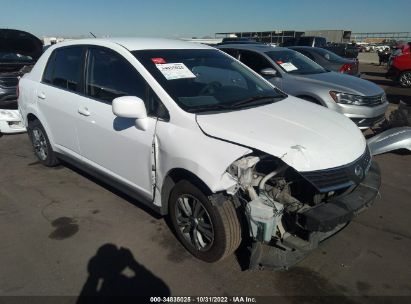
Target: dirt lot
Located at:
point(60, 229)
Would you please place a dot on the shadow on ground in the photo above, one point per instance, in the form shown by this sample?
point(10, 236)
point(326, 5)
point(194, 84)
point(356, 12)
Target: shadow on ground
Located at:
point(101, 183)
point(396, 98)
point(115, 272)
point(375, 74)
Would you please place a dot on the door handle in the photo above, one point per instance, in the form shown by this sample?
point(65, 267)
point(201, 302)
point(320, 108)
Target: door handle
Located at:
point(84, 111)
point(41, 95)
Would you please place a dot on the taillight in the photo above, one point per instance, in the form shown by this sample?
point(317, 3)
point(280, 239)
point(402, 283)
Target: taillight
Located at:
point(346, 68)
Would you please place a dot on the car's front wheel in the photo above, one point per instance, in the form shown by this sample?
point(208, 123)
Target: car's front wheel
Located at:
point(41, 144)
point(405, 79)
point(209, 231)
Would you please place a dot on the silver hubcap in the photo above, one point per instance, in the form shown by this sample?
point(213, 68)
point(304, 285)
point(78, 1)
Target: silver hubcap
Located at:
point(40, 144)
point(194, 222)
point(405, 80)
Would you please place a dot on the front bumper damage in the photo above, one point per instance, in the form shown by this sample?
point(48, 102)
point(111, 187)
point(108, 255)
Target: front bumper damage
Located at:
point(11, 122)
point(317, 224)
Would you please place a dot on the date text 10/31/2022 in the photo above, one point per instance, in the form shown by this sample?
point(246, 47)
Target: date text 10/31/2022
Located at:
point(206, 299)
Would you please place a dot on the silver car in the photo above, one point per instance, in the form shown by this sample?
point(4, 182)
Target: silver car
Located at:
point(361, 100)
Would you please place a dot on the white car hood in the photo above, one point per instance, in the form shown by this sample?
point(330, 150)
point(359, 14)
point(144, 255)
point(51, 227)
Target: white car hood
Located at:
point(306, 136)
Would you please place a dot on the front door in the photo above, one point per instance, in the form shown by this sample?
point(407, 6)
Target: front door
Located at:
point(114, 144)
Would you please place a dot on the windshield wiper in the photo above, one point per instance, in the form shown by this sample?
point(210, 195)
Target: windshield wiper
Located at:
point(266, 99)
point(209, 108)
point(253, 100)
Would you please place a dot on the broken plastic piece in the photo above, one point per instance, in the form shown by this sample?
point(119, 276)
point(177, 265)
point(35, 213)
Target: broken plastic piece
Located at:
point(390, 140)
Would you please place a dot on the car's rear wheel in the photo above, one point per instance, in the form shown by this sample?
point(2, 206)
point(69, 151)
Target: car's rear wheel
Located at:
point(405, 79)
point(209, 231)
point(41, 144)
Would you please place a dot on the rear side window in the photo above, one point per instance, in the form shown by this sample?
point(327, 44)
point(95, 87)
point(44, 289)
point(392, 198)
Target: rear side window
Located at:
point(307, 54)
point(110, 76)
point(67, 68)
point(48, 72)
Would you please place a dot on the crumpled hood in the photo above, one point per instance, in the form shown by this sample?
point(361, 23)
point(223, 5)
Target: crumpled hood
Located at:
point(306, 136)
point(20, 42)
point(342, 83)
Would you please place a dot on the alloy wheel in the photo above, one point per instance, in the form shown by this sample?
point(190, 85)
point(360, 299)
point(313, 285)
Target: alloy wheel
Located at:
point(40, 144)
point(405, 80)
point(194, 222)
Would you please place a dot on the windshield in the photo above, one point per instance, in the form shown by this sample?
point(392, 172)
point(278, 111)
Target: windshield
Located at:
point(330, 56)
point(206, 80)
point(295, 63)
point(14, 57)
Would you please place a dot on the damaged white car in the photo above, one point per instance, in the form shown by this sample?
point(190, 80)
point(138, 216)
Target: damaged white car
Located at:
point(200, 137)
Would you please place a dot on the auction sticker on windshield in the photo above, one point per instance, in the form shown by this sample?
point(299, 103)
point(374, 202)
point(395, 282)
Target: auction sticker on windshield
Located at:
point(175, 71)
point(288, 66)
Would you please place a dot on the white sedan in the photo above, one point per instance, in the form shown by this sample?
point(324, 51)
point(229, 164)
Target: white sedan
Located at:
point(200, 137)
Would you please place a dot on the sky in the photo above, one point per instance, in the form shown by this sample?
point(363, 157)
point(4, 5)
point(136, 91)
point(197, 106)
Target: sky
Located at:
point(186, 19)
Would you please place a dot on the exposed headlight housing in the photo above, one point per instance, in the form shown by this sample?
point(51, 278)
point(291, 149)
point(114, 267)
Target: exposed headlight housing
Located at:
point(357, 100)
point(350, 99)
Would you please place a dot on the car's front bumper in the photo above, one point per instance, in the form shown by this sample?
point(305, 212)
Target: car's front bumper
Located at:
point(363, 116)
point(318, 224)
point(325, 217)
point(11, 122)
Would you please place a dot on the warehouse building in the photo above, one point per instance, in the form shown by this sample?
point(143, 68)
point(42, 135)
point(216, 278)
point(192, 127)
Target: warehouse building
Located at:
point(279, 36)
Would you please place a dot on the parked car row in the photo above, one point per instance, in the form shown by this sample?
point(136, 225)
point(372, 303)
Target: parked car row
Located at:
point(361, 100)
point(329, 60)
point(346, 50)
point(399, 65)
point(197, 135)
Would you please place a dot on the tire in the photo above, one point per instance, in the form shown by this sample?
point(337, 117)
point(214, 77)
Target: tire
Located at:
point(405, 79)
point(41, 144)
point(221, 222)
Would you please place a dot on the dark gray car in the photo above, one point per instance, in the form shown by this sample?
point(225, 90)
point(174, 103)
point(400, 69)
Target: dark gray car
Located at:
point(19, 51)
point(329, 60)
point(361, 100)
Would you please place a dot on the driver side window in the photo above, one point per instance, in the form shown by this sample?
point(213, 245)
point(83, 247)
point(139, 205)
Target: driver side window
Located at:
point(254, 61)
point(109, 75)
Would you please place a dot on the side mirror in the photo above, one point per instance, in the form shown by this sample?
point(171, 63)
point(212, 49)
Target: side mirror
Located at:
point(131, 107)
point(268, 72)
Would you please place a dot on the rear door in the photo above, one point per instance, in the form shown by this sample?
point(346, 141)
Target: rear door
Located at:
point(58, 96)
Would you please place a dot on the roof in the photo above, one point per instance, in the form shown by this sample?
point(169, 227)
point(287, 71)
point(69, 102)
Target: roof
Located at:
point(139, 43)
point(302, 47)
point(252, 47)
point(308, 48)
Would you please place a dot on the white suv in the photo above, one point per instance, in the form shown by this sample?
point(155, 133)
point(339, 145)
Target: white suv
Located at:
point(196, 135)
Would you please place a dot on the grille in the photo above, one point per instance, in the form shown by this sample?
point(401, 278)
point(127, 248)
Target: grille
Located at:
point(374, 100)
point(340, 177)
point(9, 82)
